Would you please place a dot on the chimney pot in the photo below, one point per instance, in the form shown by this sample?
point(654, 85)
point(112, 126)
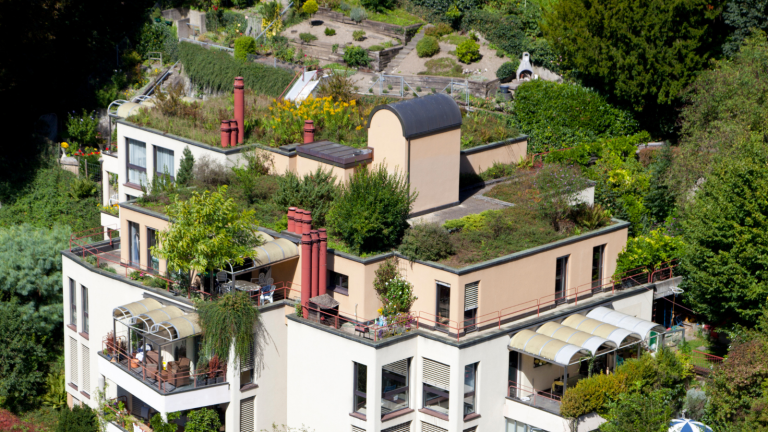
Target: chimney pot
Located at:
point(323, 267)
point(239, 110)
point(291, 219)
point(225, 132)
point(309, 131)
point(233, 132)
point(315, 262)
point(307, 221)
point(306, 270)
point(299, 227)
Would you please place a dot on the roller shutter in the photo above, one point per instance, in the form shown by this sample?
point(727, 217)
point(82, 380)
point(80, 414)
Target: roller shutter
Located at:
point(428, 427)
point(86, 387)
point(246, 414)
point(73, 366)
point(398, 367)
point(437, 374)
point(470, 295)
point(402, 427)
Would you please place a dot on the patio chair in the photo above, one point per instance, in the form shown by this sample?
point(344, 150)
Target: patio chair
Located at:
point(268, 294)
point(178, 372)
point(221, 280)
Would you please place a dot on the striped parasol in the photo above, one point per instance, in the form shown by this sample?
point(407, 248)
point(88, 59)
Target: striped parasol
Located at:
point(688, 425)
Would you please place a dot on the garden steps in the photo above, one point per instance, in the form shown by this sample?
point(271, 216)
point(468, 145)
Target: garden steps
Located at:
point(406, 50)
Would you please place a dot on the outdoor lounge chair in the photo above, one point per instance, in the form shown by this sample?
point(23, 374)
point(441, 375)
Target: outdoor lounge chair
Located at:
point(178, 372)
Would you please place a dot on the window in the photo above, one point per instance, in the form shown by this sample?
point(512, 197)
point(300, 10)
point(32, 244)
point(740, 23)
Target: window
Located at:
point(361, 385)
point(436, 386)
point(134, 243)
point(164, 162)
point(84, 292)
point(470, 384)
point(394, 385)
point(470, 306)
point(516, 426)
point(130, 197)
point(137, 162)
point(72, 303)
point(443, 307)
point(561, 273)
point(154, 262)
point(73, 363)
point(246, 415)
point(86, 387)
point(246, 368)
point(598, 253)
point(339, 283)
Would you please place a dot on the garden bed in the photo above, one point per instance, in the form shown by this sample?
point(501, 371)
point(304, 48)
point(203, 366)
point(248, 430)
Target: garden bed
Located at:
point(446, 64)
point(395, 23)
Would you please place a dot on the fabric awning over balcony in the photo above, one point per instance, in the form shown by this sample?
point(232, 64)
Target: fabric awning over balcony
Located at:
point(579, 338)
point(271, 252)
point(619, 336)
point(136, 308)
point(177, 328)
point(158, 315)
point(627, 322)
point(547, 348)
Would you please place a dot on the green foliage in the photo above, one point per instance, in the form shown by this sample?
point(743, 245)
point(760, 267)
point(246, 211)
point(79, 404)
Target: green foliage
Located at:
point(243, 46)
point(358, 35)
point(469, 223)
point(559, 116)
point(158, 37)
point(186, 167)
point(80, 419)
point(592, 395)
point(307, 37)
point(590, 217)
point(158, 424)
point(229, 322)
point(695, 404)
point(110, 91)
point(202, 420)
point(468, 51)
point(438, 30)
point(81, 188)
point(426, 242)
point(82, 130)
point(329, 31)
point(582, 154)
point(650, 252)
point(438, 9)
point(309, 7)
point(55, 395)
point(358, 15)
point(338, 86)
point(725, 234)
point(427, 47)
point(508, 70)
point(605, 43)
point(216, 70)
point(378, 5)
point(314, 192)
point(639, 412)
point(356, 56)
point(744, 17)
point(484, 127)
point(504, 31)
point(371, 210)
point(375, 48)
point(395, 293)
point(246, 176)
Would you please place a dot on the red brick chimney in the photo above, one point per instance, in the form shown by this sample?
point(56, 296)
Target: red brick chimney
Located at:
point(233, 132)
point(225, 133)
point(309, 131)
point(240, 109)
point(322, 268)
point(291, 219)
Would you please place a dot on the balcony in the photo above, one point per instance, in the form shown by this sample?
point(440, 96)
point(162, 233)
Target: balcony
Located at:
point(536, 398)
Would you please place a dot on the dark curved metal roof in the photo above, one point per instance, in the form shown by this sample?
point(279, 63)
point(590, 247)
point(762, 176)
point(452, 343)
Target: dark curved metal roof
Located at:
point(424, 115)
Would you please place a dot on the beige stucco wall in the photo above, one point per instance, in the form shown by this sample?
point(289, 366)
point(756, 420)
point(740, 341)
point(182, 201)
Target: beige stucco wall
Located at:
point(434, 169)
point(306, 166)
point(475, 163)
point(282, 164)
point(361, 292)
point(144, 221)
point(385, 136)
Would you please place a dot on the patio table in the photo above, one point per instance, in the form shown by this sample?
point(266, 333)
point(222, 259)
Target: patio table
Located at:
point(242, 285)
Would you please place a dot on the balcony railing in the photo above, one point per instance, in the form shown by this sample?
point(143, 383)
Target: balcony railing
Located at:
point(703, 363)
point(536, 398)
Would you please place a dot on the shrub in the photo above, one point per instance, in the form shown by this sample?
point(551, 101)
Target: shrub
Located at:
point(499, 53)
point(439, 30)
point(504, 31)
point(418, 89)
point(375, 48)
point(186, 166)
point(78, 419)
point(378, 5)
point(507, 71)
point(427, 47)
point(338, 86)
point(468, 51)
point(257, 164)
point(345, 6)
point(649, 252)
point(307, 37)
point(358, 35)
point(215, 70)
point(469, 223)
point(334, 48)
point(210, 173)
point(358, 15)
point(243, 46)
point(356, 56)
point(426, 242)
point(371, 210)
point(329, 31)
point(314, 192)
point(82, 188)
point(202, 420)
point(158, 37)
point(592, 395)
point(309, 7)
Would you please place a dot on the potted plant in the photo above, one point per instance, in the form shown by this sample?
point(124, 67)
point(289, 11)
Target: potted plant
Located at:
point(213, 369)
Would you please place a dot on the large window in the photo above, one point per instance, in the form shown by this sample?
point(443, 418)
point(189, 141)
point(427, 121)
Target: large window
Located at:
point(361, 386)
point(516, 426)
point(72, 303)
point(84, 292)
point(339, 283)
point(247, 367)
point(154, 262)
point(164, 162)
point(598, 253)
point(436, 386)
point(561, 276)
point(137, 162)
point(134, 243)
point(394, 386)
point(470, 386)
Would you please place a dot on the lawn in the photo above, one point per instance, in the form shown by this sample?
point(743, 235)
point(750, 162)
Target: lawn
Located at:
point(443, 66)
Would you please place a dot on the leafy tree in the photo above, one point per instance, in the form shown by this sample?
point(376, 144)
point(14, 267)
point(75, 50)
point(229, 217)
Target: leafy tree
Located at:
point(725, 231)
point(639, 412)
point(648, 253)
point(202, 420)
point(744, 16)
point(659, 200)
point(314, 192)
point(186, 167)
point(207, 231)
point(79, 419)
point(309, 7)
point(643, 52)
point(371, 210)
point(160, 425)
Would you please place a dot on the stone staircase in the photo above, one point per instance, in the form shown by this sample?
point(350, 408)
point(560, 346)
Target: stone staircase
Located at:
point(406, 49)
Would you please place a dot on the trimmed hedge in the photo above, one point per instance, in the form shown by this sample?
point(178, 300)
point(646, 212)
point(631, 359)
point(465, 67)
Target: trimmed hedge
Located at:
point(217, 70)
point(508, 70)
point(427, 47)
point(557, 116)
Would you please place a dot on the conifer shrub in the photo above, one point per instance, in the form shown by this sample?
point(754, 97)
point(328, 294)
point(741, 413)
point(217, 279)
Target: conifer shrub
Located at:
point(468, 51)
point(243, 46)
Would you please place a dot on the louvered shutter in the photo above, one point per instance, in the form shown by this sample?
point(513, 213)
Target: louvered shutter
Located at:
point(470, 296)
point(86, 387)
point(73, 365)
point(249, 362)
point(472, 429)
point(437, 374)
point(398, 367)
point(246, 415)
point(357, 429)
point(402, 427)
point(428, 427)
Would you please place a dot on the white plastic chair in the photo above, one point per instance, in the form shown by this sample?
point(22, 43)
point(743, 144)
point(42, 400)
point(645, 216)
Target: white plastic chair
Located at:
point(268, 294)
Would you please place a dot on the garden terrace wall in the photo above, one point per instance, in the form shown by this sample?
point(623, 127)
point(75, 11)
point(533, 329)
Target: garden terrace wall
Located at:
point(481, 89)
point(404, 33)
point(381, 59)
point(324, 51)
point(478, 159)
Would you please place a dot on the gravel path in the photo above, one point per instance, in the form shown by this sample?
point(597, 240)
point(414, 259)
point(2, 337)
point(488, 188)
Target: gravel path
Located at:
point(343, 34)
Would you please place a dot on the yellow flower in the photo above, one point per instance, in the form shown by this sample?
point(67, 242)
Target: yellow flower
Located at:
point(64, 145)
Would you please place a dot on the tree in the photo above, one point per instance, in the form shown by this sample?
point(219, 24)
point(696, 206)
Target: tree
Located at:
point(186, 167)
point(371, 210)
point(206, 232)
point(644, 52)
point(310, 7)
point(160, 425)
point(639, 412)
point(726, 234)
point(202, 420)
point(314, 192)
point(78, 419)
point(648, 252)
point(744, 16)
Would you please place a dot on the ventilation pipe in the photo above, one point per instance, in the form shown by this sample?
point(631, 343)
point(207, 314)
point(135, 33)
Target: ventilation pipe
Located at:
point(309, 131)
point(306, 264)
point(225, 133)
point(315, 262)
point(233, 132)
point(291, 219)
point(322, 281)
point(239, 110)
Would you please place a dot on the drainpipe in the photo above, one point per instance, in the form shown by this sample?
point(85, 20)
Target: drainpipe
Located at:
point(233, 132)
point(315, 262)
point(291, 219)
point(323, 282)
point(225, 133)
point(306, 263)
point(239, 110)
point(309, 131)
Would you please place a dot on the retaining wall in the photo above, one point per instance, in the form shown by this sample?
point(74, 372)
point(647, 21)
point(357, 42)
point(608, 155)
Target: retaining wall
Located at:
point(478, 159)
point(404, 33)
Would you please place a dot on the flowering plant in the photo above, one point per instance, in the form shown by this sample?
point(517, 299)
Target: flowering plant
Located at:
point(285, 124)
point(395, 292)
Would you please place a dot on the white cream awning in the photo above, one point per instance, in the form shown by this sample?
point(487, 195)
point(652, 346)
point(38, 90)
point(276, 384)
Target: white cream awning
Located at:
point(627, 322)
point(136, 308)
point(579, 338)
point(604, 330)
point(553, 350)
point(177, 328)
point(158, 315)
